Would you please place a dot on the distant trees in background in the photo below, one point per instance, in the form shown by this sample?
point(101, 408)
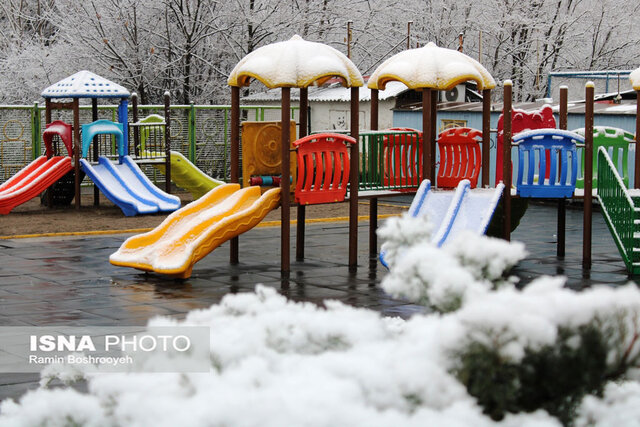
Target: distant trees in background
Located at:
point(189, 46)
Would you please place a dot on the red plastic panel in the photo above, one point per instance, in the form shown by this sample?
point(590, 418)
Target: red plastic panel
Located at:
point(521, 121)
point(323, 168)
point(460, 157)
point(60, 129)
point(402, 158)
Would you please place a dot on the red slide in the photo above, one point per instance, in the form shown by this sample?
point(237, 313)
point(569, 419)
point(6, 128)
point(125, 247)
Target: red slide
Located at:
point(32, 180)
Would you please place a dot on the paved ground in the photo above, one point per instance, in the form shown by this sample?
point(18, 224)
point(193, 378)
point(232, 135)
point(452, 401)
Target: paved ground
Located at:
point(538, 231)
point(69, 281)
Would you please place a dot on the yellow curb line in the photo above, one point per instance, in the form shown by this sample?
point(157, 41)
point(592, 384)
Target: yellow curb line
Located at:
point(77, 233)
point(144, 230)
point(388, 205)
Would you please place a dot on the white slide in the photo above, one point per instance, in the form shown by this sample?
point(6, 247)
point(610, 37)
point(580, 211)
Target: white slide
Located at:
point(452, 212)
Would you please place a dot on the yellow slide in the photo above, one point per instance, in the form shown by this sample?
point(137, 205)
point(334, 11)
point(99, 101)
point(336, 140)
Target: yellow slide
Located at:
point(189, 234)
point(188, 176)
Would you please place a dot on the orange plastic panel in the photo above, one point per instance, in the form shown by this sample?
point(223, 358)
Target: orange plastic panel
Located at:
point(402, 158)
point(460, 157)
point(261, 149)
point(323, 172)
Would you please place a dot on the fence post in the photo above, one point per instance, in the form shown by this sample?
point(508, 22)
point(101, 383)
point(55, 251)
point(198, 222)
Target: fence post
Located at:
point(167, 142)
point(192, 133)
point(36, 127)
point(226, 144)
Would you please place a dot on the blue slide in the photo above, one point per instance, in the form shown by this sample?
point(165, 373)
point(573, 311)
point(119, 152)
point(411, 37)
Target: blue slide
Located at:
point(128, 187)
point(123, 183)
point(452, 212)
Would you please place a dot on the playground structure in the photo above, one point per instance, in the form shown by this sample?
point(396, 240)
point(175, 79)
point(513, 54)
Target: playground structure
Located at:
point(152, 145)
point(619, 204)
point(84, 84)
point(122, 182)
point(43, 172)
point(330, 166)
point(373, 164)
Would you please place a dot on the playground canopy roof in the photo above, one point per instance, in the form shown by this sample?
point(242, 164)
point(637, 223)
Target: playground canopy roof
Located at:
point(431, 67)
point(634, 77)
point(295, 63)
point(85, 84)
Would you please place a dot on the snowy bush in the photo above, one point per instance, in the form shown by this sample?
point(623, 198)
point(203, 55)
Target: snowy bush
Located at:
point(546, 347)
point(443, 278)
point(619, 406)
point(506, 357)
point(494, 355)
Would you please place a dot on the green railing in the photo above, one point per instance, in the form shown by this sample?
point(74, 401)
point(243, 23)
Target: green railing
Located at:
point(390, 160)
point(619, 211)
point(200, 132)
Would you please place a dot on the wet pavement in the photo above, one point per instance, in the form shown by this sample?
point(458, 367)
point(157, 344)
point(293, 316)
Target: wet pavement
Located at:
point(69, 281)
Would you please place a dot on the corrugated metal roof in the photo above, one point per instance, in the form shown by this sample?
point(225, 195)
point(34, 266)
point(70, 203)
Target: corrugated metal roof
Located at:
point(573, 107)
point(85, 84)
point(332, 93)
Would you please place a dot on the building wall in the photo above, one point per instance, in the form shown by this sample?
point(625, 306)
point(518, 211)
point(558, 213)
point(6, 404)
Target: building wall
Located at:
point(336, 115)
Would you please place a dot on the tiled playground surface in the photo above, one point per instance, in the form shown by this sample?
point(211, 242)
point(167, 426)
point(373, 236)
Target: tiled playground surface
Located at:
point(69, 281)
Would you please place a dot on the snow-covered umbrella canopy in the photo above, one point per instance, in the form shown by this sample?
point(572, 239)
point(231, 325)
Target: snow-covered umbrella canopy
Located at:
point(295, 63)
point(431, 67)
point(85, 84)
point(634, 77)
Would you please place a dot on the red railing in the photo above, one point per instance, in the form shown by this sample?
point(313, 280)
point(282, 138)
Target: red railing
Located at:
point(323, 168)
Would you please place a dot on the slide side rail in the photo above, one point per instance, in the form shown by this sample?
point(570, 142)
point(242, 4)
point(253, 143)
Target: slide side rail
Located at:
point(619, 210)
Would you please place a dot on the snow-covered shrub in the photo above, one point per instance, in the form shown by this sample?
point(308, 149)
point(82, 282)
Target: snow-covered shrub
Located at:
point(505, 358)
point(486, 258)
point(619, 406)
point(494, 356)
point(443, 278)
point(546, 347)
point(402, 232)
point(430, 276)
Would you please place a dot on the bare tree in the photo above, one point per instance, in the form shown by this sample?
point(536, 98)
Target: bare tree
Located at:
point(190, 46)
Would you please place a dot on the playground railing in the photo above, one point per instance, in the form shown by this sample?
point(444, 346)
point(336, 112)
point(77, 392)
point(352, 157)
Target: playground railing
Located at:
point(390, 160)
point(619, 210)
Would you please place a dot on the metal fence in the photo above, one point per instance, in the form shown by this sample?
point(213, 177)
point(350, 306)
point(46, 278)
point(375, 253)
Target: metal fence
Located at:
point(200, 132)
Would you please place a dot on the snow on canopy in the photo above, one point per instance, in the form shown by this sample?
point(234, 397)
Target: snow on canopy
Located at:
point(634, 77)
point(295, 63)
point(85, 84)
point(431, 67)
